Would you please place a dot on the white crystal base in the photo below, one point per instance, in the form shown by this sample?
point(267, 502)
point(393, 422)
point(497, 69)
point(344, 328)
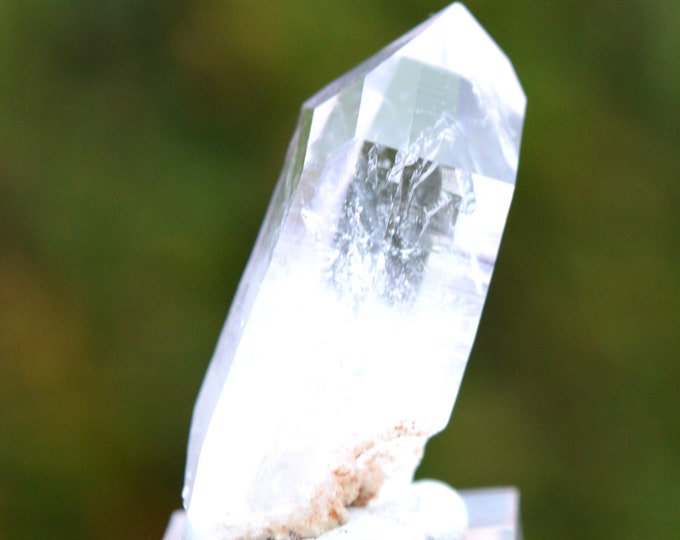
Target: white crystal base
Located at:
point(430, 510)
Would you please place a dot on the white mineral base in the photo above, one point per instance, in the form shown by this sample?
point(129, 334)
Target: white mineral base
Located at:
point(431, 510)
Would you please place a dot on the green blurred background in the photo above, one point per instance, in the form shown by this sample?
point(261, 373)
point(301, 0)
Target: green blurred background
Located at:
point(139, 144)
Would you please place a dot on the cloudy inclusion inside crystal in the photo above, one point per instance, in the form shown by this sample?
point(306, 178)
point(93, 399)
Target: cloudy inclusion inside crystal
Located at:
point(360, 303)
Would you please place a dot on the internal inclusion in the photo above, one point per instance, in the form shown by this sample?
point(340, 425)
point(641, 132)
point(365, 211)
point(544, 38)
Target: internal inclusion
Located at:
point(397, 210)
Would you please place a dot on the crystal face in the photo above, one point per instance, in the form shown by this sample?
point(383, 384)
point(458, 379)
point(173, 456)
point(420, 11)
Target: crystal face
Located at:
point(348, 336)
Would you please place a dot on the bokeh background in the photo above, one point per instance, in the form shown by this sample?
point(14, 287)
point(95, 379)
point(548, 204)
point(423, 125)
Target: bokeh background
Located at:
point(139, 144)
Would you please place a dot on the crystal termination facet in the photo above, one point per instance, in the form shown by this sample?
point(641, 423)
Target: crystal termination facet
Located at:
point(348, 336)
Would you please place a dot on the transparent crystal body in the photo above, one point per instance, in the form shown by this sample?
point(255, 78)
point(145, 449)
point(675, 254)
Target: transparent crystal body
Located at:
point(348, 337)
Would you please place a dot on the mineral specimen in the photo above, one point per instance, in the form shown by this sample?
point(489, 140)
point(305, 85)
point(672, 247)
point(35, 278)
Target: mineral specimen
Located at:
point(347, 340)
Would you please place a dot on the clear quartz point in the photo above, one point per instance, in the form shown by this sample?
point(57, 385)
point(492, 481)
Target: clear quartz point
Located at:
point(347, 340)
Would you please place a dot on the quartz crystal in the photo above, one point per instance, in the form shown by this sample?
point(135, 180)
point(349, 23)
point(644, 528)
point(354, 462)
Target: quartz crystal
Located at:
point(347, 339)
